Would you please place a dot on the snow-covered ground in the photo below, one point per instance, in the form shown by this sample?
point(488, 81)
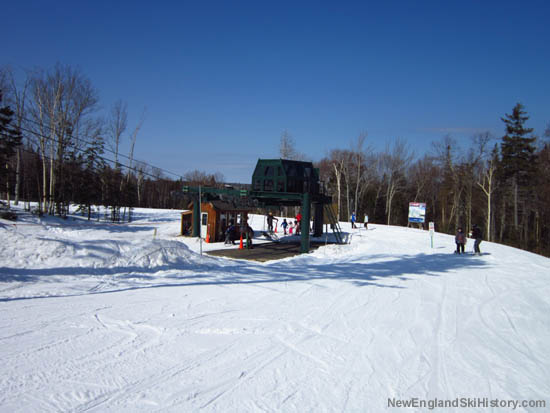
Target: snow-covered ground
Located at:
point(127, 318)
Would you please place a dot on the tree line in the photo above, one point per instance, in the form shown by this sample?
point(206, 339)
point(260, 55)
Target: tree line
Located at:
point(56, 150)
point(500, 184)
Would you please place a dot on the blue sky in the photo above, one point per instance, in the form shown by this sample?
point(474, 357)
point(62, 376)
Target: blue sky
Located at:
point(222, 80)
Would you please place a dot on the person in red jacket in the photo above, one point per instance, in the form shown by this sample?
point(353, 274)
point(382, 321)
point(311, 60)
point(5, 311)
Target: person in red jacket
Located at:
point(298, 223)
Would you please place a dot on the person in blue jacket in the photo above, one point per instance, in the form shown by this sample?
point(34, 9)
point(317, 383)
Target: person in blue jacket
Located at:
point(353, 219)
point(284, 225)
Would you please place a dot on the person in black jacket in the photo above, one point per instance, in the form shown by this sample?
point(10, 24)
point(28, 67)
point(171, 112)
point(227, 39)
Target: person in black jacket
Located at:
point(477, 235)
point(270, 219)
point(230, 234)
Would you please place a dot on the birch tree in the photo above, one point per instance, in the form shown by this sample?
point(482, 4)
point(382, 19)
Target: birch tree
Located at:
point(487, 182)
point(339, 160)
point(471, 170)
point(394, 163)
point(62, 101)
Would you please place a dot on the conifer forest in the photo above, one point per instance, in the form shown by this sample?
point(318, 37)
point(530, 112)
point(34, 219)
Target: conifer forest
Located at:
point(56, 151)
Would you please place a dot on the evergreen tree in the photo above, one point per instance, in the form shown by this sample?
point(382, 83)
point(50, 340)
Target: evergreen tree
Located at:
point(10, 139)
point(542, 198)
point(518, 158)
point(92, 164)
point(517, 148)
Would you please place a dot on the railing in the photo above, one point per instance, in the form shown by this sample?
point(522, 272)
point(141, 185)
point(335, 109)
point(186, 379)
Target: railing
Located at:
point(334, 224)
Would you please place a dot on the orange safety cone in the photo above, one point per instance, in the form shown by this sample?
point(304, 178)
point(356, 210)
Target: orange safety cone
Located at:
point(275, 228)
point(241, 243)
point(207, 238)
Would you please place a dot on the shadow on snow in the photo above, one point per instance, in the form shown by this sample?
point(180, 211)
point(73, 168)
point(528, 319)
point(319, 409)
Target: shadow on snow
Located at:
point(360, 273)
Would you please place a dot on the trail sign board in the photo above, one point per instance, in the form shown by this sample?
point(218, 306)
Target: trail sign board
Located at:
point(417, 212)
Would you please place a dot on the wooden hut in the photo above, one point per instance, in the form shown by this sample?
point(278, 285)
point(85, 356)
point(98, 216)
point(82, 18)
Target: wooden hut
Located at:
point(216, 216)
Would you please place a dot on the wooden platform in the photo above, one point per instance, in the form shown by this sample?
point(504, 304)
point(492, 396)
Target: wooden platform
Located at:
point(264, 252)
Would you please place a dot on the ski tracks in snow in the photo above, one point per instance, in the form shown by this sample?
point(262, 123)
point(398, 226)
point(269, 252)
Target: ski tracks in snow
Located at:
point(438, 385)
point(219, 341)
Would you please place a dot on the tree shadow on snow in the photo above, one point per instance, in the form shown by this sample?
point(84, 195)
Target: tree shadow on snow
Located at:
point(385, 272)
point(360, 273)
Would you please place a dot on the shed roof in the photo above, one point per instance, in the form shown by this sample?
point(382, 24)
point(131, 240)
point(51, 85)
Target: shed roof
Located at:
point(227, 206)
point(222, 206)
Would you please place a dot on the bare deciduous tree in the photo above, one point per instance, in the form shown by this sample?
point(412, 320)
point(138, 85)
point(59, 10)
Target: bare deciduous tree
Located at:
point(62, 100)
point(471, 170)
point(287, 148)
point(197, 177)
point(394, 163)
point(133, 140)
point(359, 159)
point(547, 133)
point(487, 182)
point(339, 163)
point(116, 126)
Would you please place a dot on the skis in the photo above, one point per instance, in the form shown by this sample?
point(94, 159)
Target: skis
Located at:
point(470, 253)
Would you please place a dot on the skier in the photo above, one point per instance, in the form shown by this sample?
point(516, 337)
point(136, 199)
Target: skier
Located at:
point(284, 225)
point(249, 236)
point(298, 223)
point(353, 219)
point(477, 235)
point(460, 240)
point(297, 227)
point(270, 219)
point(229, 234)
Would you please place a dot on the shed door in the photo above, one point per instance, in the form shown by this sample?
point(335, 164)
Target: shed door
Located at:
point(204, 224)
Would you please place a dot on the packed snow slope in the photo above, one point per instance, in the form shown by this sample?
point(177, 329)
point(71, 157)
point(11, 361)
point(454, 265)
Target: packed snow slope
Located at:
point(131, 318)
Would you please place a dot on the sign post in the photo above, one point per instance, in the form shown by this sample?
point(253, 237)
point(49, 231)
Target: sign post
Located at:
point(432, 230)
point(200, 220)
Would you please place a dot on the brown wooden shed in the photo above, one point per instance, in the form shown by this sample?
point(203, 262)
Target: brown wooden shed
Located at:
point(216, 216)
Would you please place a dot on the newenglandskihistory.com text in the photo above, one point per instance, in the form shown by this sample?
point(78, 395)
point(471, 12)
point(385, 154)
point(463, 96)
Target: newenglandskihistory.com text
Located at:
point(465, 402)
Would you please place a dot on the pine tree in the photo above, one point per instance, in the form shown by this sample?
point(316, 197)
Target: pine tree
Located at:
point(10, 139)
point(518, 158)
point(90, 182)
point(517, 147)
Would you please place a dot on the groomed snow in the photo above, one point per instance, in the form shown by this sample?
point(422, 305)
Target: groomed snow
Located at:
point(97, 317)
